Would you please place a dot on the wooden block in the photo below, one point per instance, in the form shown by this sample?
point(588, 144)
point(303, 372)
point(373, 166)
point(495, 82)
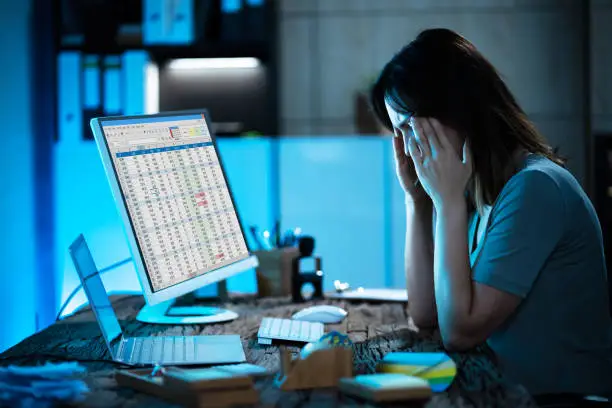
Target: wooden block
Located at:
point(386, 387)
point(321, 369)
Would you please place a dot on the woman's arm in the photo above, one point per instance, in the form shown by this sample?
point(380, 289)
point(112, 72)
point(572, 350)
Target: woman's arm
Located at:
point(467, 311)
point(525, 227)
point(452, 274)
point(419, 263)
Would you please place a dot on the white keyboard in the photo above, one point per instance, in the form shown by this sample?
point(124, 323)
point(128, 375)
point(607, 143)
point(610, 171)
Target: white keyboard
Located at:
point(289, 330)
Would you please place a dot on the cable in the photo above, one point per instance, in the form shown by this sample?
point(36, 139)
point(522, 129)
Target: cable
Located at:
point(79, 286)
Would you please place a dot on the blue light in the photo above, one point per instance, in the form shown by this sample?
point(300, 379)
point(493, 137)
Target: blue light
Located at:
point(19, 301)
point(230, 6)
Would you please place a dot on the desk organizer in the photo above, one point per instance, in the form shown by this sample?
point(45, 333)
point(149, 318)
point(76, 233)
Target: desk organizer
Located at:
point(274, 271)
point(320, 369)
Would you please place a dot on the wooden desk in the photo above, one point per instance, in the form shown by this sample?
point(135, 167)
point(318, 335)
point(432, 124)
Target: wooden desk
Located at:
point(376, 329)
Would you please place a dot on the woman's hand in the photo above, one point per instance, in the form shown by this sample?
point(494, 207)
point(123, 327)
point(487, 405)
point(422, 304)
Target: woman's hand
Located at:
point(406, 172)
point(443, 174)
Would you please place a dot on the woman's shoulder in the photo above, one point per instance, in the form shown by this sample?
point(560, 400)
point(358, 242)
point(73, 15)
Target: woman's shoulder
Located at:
point(539, 169)
point(539, 181)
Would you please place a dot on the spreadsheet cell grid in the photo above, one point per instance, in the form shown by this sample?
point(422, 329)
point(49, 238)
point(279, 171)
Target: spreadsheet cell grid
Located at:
point(179, 202)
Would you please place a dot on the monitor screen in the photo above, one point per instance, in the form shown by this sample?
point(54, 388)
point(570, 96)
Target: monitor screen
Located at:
point(176, 195)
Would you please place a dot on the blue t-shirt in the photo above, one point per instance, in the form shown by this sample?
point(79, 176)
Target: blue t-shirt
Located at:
point(543, 242)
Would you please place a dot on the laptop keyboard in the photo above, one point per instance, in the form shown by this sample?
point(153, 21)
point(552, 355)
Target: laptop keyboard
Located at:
point(164, 349)
point(289, 330)
point(179, 350)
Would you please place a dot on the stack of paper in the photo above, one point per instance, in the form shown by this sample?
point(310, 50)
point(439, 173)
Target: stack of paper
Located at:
point(41, 386)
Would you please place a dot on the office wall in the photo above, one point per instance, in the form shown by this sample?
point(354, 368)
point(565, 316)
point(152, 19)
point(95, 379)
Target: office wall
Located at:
point(330, 48)
point(334, 189)
point(18, 300)
point(601, 58)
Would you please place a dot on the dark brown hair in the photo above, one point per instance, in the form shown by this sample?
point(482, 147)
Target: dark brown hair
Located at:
point(442, 75)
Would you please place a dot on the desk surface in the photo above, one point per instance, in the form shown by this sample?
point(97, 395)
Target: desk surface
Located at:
point(375, 328)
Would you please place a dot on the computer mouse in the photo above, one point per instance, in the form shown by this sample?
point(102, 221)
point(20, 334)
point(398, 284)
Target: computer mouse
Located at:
point(322, 314)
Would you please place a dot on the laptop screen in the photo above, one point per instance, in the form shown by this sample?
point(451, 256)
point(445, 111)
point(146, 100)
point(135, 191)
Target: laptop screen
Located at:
point(95, 291)
point(174, 189)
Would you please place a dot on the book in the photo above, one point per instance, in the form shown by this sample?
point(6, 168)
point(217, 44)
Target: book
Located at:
point(386, 387)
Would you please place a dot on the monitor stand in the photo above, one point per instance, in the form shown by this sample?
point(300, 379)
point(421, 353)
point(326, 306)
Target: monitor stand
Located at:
point(168, 313)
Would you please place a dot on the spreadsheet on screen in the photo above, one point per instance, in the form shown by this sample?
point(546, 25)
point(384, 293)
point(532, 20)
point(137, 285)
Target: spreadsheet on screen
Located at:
point(176, 195)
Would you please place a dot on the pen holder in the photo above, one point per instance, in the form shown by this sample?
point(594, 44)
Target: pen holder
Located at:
point(274, 271)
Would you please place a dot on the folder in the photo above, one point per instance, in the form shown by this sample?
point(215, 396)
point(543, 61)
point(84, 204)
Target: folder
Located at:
point(70, 118)
point(112, 85)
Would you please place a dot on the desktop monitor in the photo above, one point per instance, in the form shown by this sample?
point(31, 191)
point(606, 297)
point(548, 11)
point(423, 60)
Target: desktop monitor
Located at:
point(172, 194)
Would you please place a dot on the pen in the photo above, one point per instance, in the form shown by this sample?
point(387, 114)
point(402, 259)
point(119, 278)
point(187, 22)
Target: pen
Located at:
point(277, 233)
point(288, 239)
point(258, 242)
point(266, 235)
point(295, 236)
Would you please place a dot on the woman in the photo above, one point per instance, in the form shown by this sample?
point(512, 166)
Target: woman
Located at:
point(515, 258)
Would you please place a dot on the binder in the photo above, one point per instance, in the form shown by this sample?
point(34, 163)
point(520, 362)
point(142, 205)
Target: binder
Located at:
point(70, 119)
point(91, 78)
point(168, 22)
point(112, 85)
point(133, 66)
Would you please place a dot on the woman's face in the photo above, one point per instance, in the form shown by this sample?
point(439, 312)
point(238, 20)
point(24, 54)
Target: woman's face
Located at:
point(402, 127)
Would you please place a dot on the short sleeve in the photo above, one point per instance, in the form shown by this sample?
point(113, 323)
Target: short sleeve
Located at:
point(526, 224)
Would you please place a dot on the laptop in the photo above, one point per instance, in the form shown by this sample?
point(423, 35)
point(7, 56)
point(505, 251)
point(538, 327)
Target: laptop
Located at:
point(162, 350)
